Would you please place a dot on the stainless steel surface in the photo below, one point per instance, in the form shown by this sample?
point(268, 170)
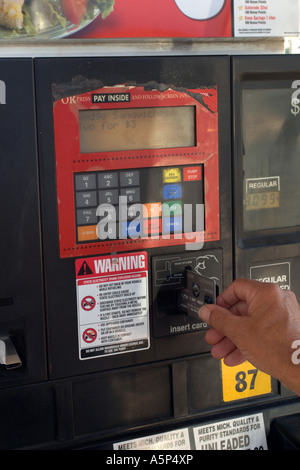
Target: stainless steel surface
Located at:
point(8, 354)
point(70, 47)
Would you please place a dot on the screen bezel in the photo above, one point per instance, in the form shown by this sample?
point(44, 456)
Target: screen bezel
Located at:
point(131, 128)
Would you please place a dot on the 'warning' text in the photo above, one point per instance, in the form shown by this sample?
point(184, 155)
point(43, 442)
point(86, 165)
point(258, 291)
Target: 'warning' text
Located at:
point(120, 264)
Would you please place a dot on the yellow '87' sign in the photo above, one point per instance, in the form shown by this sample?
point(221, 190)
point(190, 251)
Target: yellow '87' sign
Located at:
point(244, 381)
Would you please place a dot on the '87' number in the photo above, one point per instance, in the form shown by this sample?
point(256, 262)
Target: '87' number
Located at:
point(242, 383)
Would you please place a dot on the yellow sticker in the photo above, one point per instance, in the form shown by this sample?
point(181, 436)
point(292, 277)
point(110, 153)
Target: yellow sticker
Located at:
point(172, 175)
point(244, 381)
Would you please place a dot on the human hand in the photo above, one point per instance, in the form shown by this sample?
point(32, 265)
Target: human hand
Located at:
point(257, 322)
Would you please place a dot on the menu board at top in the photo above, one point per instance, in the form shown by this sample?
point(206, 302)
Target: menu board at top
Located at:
point(99, 19)
point(96, 19)
point(266, 18)
point(167, 18)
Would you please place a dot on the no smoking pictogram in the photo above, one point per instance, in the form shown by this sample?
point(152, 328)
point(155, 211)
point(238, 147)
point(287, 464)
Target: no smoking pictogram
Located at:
point(88, 303)
point(89, 335)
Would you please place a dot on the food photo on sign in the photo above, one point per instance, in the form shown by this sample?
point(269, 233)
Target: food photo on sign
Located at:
point(79, 19)
point(49, 19)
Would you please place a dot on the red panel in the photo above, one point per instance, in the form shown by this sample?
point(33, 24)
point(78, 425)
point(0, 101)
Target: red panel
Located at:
point(69, 160)
point(158, 19)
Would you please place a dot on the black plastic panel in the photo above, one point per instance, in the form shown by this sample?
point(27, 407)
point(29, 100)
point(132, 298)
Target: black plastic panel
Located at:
point(60, 280)
point(266, 177)
point(21, 284)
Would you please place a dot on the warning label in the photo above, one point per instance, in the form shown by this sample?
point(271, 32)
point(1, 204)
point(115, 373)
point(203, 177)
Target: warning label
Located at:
point(112, 304)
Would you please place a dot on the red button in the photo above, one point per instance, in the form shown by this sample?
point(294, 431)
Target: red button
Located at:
point(192, 173)
point(152, 226)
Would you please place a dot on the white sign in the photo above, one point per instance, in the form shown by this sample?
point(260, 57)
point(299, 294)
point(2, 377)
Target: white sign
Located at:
point(112, 304)
point(277, 273)
point(245, 433)
point(256, 18)
point(173, 440)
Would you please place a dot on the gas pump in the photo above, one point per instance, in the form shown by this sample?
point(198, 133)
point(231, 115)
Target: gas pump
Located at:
point(119, 170)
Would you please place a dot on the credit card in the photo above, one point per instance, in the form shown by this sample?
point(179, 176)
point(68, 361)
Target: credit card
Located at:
point(198, 291)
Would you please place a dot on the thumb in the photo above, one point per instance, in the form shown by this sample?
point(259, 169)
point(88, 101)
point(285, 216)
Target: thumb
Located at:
point(219, 318)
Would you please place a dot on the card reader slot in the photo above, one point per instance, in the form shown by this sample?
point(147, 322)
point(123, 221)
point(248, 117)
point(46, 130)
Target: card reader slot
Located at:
point(167, 302)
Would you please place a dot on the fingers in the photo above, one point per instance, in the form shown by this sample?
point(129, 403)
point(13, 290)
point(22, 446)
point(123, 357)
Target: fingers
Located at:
point(223, 348)
point(229, 319)
point(240, 308)
point(235, 292)
point(213, 336)
point(240, 290)
point(221, 320)
point(246, 312)
point(235, 358)
point(224, 333)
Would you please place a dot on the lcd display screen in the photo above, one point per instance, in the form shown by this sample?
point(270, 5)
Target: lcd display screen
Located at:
point(109, 130)
point(271, 159)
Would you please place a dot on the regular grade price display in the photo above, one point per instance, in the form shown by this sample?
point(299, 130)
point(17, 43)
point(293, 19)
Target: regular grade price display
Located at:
point(262, 201)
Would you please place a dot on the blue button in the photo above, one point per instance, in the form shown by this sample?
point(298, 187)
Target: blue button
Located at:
point(172, 191)
point(132, 229)
point(172, 225)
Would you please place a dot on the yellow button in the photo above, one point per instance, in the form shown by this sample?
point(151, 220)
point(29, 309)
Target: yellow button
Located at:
point(171, 175)
point(244, 381)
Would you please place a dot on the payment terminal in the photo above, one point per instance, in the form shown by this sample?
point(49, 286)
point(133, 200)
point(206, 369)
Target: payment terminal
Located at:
point(131, 154)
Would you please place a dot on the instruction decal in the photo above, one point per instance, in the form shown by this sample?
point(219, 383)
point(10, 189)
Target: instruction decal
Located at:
point(245, 433)
point(239, 433)
point(112, 304)
point(277, 273)
point(176, 440)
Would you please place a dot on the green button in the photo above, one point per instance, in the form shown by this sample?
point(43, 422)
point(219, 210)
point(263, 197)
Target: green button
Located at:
point(172, 208)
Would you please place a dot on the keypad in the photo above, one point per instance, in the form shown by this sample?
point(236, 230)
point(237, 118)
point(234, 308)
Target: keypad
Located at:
point(135, 203)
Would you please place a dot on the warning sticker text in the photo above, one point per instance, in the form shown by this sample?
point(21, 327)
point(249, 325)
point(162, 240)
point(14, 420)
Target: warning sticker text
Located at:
point(112, 305)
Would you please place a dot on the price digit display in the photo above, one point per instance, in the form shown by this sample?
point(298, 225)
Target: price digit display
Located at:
point(262, 201)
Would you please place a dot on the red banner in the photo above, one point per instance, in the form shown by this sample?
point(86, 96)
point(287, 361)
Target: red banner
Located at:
point(115, 19)
point(165, 19)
